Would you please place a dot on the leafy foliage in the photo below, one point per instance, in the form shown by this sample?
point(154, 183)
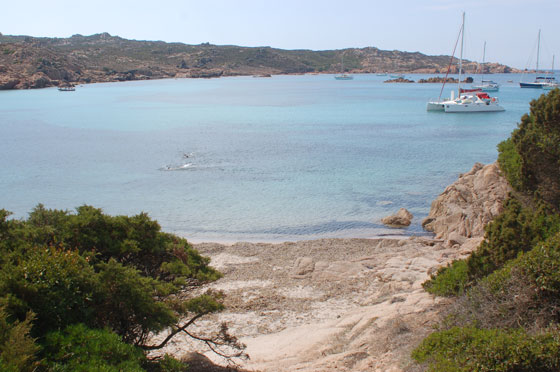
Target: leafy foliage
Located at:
point(450, 280)
point(470, 349)
point(535, 163)
point(517, 229)
point(92, 287)
point(17, 348)
point(78, 348)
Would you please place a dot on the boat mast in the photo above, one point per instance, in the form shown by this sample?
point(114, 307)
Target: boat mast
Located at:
point(461, 55)
point(538, 49)
point(483, 60)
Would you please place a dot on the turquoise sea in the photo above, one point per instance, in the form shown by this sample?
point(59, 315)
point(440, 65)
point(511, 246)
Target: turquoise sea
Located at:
point(243, 158)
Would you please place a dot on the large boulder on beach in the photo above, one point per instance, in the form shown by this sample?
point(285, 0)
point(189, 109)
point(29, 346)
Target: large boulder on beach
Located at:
point(468, 205)
point(400, 219)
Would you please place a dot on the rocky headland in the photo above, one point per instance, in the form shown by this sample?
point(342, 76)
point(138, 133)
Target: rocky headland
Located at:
point(31, 62)
point(346, 304)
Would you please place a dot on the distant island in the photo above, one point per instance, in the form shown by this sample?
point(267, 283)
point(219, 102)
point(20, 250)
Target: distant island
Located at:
point(38, 62)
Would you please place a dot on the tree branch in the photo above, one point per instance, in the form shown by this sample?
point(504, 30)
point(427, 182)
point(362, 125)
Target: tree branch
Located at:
point(173, 333)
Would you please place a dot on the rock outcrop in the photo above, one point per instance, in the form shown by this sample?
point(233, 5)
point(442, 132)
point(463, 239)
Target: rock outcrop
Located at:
point(399, 80)
point(466, 206)
point(401, 219)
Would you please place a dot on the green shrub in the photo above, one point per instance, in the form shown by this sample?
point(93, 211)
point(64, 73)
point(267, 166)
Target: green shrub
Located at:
point(56, 284)
point(120, 273)
point(17, 348)
point(510, 163)
point(537, 142)
point(127, 303)
point(451, 280)
point(78, 348)
point(470, 349)
point(517, 229)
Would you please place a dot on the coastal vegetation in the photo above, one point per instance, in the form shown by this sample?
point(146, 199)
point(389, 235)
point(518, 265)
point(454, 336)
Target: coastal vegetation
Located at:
point(86, 291)
point(30, 62)
point(506, 313)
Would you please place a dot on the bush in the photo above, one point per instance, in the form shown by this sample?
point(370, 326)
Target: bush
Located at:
point(470, 349)
point(126, 302)
point(510, 163)
point(17, 348)
point(78, 348)
point(56, 284)
point(516, 230)
point(95, 282)
point(451, 280)
point(537, 142)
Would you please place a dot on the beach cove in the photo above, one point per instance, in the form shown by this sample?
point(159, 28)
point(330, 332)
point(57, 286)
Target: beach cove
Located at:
point(345, 304)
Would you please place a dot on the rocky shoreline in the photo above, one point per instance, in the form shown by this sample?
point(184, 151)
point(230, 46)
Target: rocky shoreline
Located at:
point(28, 62)
point(346, 304)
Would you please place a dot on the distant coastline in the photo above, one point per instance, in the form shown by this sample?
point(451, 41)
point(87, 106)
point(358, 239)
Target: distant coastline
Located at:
point(29, 62)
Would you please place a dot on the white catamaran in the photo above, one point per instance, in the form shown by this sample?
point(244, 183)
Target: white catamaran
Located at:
point(466, 101)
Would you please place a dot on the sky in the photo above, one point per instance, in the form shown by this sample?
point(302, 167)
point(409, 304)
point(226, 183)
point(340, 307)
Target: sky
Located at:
point(509, 27)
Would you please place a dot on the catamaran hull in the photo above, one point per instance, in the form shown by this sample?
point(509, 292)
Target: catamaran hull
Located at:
point(435, 106)
point(473, 108)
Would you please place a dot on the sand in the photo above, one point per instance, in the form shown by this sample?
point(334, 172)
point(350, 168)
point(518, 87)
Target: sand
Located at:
point(324, 305)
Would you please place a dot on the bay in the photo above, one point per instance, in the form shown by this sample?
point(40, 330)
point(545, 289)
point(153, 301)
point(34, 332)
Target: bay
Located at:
point(246, 159)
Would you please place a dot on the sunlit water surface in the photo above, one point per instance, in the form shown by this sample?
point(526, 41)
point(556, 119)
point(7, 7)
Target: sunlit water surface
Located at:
point(261, 159)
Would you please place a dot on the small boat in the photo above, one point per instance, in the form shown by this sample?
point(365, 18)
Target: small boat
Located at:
point(540, 81)
point(343, 75)
point(397, 76)
point(551, 83)
point(468, 100)
point(68, 88)
point(381, 74)
point(486, 85)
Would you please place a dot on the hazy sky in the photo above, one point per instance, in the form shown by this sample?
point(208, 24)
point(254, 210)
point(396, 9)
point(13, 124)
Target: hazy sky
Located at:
point(429, 26)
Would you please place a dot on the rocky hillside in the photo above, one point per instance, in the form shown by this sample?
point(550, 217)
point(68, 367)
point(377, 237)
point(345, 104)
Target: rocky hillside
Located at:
point(30, 62)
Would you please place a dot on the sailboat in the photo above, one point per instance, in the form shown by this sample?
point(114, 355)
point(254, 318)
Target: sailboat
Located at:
point(343, 75)
point(486, 85)
point(552, 83)
point(476, 101)
point(540, 81)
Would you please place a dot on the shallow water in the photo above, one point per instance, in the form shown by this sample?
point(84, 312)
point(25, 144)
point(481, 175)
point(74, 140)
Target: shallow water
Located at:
point(262, 159)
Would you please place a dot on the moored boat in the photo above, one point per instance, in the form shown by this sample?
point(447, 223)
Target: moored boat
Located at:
point(468, 100)
point(68, 88)
point(343, 75)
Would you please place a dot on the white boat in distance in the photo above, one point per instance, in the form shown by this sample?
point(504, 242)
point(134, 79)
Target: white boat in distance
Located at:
point(552, 83)
point(486, 85)
point(343, 75)
point(472, 101)
point(69, 88)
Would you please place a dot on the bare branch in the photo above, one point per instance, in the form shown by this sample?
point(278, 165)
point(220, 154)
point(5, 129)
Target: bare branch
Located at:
point(172, 334)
